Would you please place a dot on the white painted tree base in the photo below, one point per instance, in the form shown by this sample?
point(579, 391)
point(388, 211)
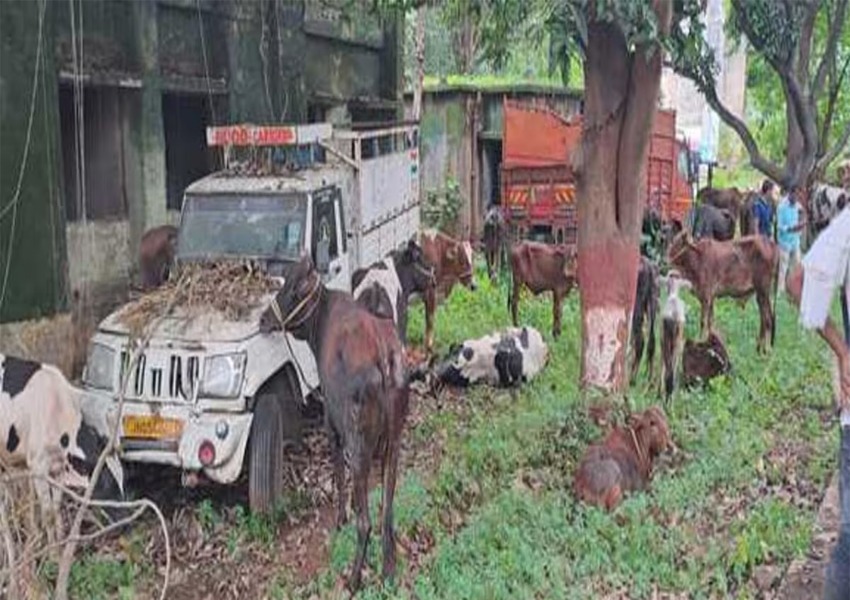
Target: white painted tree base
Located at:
point(603, 347)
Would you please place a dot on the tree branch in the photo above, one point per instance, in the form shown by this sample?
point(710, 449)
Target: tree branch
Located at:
point(836, 27)
point(834, 92)
point(833, 153)
point(757, 159)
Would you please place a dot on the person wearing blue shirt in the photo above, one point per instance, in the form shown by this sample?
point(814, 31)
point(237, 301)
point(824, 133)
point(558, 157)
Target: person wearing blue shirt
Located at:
point(788, 228)
point(763, 209)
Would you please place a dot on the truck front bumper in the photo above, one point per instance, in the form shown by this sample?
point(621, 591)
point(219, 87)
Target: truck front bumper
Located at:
point(228, 433)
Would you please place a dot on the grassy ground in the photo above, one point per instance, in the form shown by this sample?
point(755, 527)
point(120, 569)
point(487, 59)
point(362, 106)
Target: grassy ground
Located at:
point(495, 517)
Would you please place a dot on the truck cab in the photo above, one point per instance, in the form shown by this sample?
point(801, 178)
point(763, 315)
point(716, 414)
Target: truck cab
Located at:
point(208, 394)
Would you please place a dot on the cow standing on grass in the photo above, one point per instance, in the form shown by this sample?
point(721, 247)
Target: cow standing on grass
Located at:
point(673, 316)
point(494, 241)
point(452, 263)
point(736, 269)
point(645, 310)
point(386, 286)
point(365, 385)
point(542, 268)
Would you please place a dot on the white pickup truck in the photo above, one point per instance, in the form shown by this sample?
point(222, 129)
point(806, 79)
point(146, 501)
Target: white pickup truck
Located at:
point(208, 393)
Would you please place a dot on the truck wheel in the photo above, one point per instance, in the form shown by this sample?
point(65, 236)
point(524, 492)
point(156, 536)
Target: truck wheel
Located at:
point(265, 474)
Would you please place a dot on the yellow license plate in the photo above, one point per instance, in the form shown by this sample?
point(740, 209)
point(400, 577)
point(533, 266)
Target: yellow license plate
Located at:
point(152, 427)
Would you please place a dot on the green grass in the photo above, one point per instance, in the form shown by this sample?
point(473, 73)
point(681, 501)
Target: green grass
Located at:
point(499, 507)
point(711, 516)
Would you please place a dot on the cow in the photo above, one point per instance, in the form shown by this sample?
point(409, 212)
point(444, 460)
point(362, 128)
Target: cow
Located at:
point(826, 201)
point(712, 222)
point(42, 430)
point(494, 240)
point(673, 316)
point(729, 199)
point(452, 263)
point(645, 309)
point(736, 269)
point(386, 286)
point(542, 268)
point(503, 359)
point(623, 461)
point(747, 219)
point(703, 361)
point(365, 385)
point(156, 255)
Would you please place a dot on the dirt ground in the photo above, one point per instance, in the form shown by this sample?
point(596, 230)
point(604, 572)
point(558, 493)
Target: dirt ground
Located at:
point(805, 577)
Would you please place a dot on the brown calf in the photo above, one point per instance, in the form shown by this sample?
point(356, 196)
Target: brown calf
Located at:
point(703, 361)
point(156, 255)
point(542, 268)
point(737, 269)
point(364, 380)
point(623, 461)
point(452, 263)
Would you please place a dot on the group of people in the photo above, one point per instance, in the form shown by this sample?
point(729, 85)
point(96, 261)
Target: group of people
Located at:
point(789, 222)
point(811, 283)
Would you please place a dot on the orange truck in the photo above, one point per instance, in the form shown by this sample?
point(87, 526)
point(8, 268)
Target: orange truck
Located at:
point(538, 184)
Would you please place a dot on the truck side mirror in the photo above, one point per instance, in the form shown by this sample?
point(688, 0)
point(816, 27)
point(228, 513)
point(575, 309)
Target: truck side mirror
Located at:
point(694, 167)
point(323, 255)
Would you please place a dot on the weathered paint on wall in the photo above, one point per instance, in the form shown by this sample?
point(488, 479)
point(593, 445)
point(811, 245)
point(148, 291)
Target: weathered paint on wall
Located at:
point(35, 257)
point(100, 257)
point(156, 47)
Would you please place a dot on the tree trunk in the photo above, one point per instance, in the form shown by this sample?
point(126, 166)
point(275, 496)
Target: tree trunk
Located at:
point(621, 93)
point(419, 76)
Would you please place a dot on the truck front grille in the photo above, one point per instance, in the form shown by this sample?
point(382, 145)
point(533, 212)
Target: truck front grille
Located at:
point(162, 376)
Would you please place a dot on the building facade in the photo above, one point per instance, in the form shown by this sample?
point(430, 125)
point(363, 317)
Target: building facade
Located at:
point(104, 105)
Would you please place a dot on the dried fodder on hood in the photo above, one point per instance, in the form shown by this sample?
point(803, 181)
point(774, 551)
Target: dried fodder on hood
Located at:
point(232, 288)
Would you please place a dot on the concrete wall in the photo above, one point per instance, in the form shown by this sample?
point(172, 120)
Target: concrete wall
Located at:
point(256, 61)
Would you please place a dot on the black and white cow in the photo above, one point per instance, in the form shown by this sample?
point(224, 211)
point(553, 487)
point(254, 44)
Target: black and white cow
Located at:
point(385, 287)
point(42, 429)
point(504, 358)
point(826, 202)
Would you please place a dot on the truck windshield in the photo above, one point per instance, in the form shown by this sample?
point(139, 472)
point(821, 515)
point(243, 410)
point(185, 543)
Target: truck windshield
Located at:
point(242, 226)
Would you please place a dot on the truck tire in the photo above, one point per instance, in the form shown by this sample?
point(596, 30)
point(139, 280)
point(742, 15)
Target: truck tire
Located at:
point(265, 471)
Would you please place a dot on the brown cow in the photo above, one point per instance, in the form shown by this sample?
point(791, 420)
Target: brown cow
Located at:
point(156, 255)
point(623, 461)
point(736, 269)
point(542, 268)
point(365, 385)
point(726, 198)
point(452, 262)
point(703, 361)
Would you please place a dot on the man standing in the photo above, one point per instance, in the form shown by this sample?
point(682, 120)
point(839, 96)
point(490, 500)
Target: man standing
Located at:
point(826, 267)
point(763, 209)
point(788, 228)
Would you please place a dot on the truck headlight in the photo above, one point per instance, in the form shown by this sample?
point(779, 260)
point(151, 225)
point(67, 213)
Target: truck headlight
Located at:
point(223, 375)
point(100, 367)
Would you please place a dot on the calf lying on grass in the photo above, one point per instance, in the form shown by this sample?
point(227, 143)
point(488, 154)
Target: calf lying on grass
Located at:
point(505, 358)
point(623, 461)
point(703, 361)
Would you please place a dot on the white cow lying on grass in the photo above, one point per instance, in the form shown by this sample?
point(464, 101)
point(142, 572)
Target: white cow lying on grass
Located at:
point(505, 358)
point(42, 429)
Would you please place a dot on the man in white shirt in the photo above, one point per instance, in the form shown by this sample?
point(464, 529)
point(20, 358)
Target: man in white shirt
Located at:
point(826, 267)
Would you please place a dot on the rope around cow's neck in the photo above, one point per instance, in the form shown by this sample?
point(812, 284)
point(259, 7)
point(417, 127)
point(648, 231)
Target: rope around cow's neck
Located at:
point(290, 319)
point(642, 458)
